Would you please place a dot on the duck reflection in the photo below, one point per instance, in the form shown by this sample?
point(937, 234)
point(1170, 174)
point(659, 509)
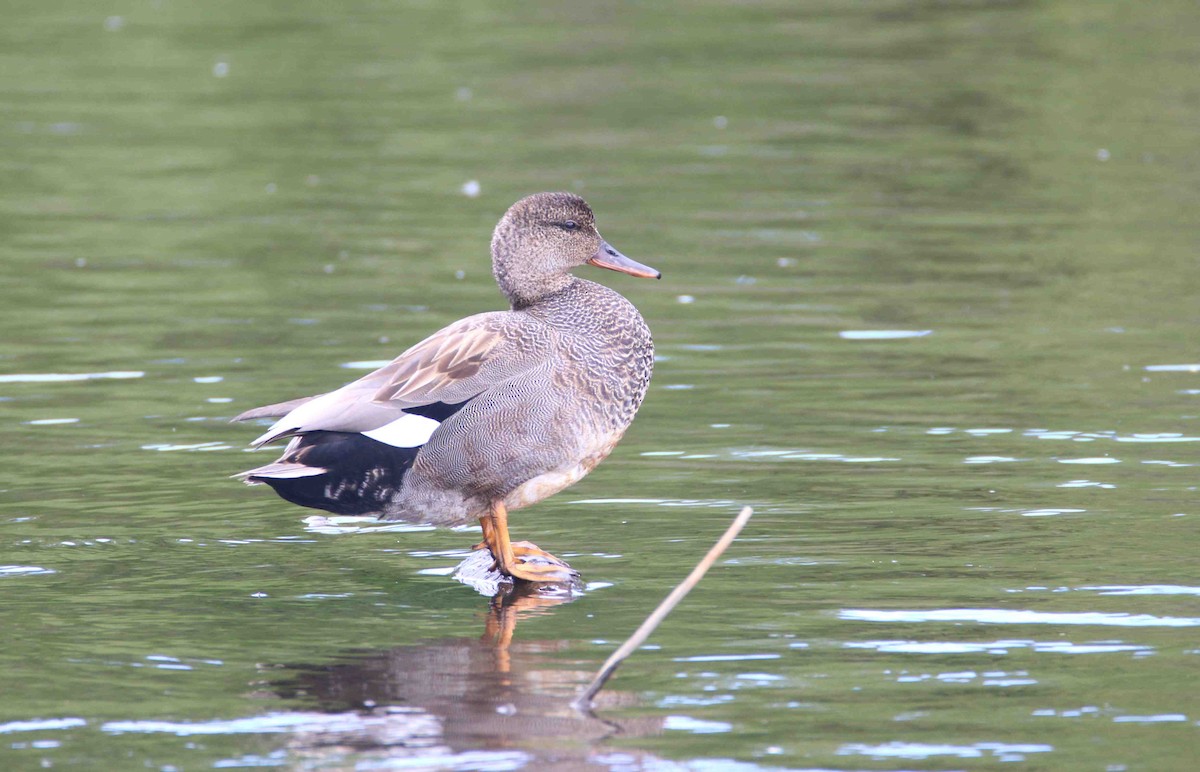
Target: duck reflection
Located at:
point(461, 702)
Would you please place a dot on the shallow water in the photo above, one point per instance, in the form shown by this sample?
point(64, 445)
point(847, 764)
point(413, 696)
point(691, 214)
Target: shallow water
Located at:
point(929, 305)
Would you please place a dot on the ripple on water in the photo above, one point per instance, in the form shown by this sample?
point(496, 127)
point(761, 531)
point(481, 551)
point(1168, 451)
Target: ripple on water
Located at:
point(1092, 711)
point(1050, 512)
point(1072, 435)
point(421, 724)
point(25, 571)
point(998, 647)
point(1161, 437)
point(790, 560)
point(196, 446)
point(338, 524)
point(156, 661)
point(1017, 617)
point(837, 457)
point(412, 729)
point(1142, 589)
point(903, 750)
point(695, 725)
point(707, 503)
point(798, 454)
point(992, 678)
point(692, 701)
point(64, 377)
point(1161, 718)
point(726, 657)
point(1086, 710)
point(439, 571)
point(990, 460)
point(882, 334)
point(760, 453)
point(365, 364)
point(41, 725)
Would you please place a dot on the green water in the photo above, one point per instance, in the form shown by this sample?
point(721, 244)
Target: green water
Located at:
point(930, 304)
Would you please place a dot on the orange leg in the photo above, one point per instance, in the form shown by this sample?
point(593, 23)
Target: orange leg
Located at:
point(495, 537)
point(485, 523)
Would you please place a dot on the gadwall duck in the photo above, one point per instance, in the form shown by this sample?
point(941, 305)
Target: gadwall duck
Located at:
point(492, 413)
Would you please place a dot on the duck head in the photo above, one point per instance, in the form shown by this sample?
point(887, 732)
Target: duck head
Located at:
point(541, 238)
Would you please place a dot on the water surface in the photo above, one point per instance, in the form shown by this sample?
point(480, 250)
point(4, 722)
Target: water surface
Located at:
point(929, 305)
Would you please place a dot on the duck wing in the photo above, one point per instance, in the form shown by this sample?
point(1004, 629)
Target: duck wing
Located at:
point(273, 411)
point(447, 369)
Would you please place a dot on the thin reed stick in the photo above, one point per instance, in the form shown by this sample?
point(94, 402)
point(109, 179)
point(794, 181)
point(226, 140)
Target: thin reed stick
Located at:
point(583, 702)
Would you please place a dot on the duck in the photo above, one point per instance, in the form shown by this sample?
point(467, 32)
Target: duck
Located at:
point(494, 412)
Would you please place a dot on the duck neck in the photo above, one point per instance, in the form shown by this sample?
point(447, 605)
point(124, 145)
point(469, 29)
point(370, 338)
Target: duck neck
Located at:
point(525, 282)
point(585, 308)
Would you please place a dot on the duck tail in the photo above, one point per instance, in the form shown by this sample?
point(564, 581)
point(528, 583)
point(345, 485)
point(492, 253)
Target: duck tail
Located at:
point(341, 472)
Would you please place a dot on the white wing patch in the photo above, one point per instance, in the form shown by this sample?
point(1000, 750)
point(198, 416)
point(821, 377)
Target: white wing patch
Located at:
point(407, 431)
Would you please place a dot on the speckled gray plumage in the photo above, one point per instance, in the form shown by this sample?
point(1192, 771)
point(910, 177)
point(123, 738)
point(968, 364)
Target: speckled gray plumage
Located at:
point(549, 387)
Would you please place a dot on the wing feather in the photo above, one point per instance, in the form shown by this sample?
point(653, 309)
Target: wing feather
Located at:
point(453, 365)
point(441, 361)
point(273, 411)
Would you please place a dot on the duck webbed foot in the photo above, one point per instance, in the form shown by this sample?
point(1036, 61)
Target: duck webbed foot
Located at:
point(520, 560)
point(534, 564)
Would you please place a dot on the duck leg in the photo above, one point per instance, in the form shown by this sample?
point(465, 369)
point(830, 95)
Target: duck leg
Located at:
point(521, 560)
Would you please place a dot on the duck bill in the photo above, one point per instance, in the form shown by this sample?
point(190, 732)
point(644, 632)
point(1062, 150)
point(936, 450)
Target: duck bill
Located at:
point(608, 257)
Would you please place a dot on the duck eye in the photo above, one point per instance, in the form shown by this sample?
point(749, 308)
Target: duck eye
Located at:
point(571, 225)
